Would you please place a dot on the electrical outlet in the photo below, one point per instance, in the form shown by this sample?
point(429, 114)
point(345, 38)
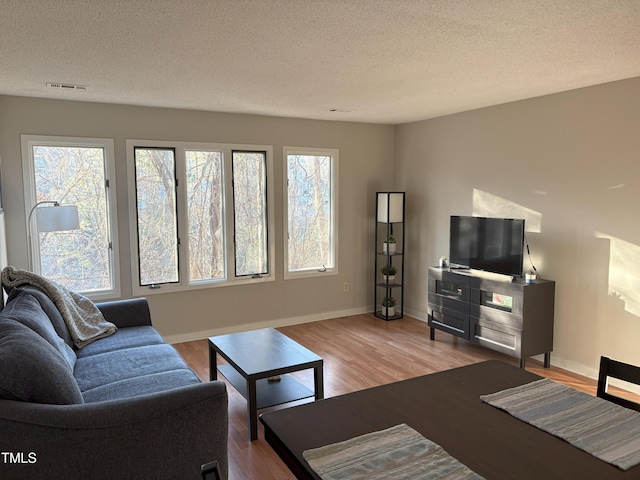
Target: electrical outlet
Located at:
point(345, 287)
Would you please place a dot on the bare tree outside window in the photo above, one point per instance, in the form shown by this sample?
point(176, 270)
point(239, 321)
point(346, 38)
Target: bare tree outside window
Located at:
point(309, 212)
point(157, 218)
point(73, 175)
point(250, 212)
point(202, 214)
point(206, 221)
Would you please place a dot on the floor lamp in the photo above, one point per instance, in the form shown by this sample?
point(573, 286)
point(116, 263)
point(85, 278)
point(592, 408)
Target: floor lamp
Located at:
point(57, 218)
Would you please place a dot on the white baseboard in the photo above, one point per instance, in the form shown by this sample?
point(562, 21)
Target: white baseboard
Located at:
point(283, 322)
point(416, 314)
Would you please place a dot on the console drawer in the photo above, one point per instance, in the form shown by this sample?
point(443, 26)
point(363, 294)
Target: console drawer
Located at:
point(450, 321)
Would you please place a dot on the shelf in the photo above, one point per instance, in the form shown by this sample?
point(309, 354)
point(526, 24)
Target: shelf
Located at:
point(390, 214)
point(268, 394)
point(391, 317)
point(497, 301)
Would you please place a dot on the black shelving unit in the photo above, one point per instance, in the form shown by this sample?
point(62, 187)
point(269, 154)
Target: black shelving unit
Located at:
point(389, 223)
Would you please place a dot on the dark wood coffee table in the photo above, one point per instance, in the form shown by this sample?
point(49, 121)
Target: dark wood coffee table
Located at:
point(256, 355)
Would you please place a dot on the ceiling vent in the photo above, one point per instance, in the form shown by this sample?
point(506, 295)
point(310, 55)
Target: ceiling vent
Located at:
point(67, 86)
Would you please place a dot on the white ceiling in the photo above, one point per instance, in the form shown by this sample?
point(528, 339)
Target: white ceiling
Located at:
point(381, 61)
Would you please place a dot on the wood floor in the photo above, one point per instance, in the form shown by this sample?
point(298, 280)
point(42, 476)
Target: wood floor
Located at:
point(359, 352)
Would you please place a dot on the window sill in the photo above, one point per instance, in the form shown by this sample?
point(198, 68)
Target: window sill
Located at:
point(310, 274)
point(176, 287)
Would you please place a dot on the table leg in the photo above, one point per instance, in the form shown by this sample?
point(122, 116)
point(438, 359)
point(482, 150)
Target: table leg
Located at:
point(252, 409)
point(213, 364)
point(318, 381)
point(547, 360)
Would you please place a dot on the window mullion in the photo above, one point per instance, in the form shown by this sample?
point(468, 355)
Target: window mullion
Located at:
point(181, 214)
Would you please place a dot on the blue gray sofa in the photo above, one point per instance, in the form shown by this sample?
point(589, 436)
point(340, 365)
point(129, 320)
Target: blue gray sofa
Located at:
point(125, 406)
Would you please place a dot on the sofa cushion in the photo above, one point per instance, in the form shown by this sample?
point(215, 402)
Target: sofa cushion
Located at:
point(129, 337)
point(31, 370)
point(111, 367)
point(24, 308)
point(50, 309)
point(145, 384)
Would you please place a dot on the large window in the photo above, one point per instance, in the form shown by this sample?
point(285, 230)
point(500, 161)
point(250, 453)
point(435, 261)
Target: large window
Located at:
point(80, 172)
point(250, 212)
point(205, 215)
point(199, 208)
point(156, 215)
point(311, 219)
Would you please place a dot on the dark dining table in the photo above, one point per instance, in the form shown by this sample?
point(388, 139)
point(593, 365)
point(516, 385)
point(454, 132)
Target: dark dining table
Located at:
point(446, 408)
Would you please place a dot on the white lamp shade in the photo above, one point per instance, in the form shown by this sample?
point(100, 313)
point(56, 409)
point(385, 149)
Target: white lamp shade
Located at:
point(391, 207)
point(57, 219)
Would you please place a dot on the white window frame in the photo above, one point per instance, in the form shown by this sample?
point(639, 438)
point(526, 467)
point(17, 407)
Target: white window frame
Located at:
point(28, 172)
point(183, 250)
point(334, 155)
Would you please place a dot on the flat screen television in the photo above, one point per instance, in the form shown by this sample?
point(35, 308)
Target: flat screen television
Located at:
point(490, 244)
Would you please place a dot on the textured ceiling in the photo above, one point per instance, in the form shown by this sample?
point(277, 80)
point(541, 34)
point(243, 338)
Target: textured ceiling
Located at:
point(382, 61)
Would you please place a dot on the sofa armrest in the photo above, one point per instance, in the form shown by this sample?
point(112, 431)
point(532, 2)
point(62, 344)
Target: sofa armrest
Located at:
point(133, 312)
point(165, 435)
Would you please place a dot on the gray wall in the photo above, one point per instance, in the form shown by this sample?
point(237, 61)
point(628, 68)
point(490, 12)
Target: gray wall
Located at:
point(365, 166)
point(568, 163)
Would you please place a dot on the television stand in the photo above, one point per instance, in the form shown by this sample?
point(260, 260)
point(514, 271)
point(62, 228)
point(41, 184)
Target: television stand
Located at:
point(503, 314)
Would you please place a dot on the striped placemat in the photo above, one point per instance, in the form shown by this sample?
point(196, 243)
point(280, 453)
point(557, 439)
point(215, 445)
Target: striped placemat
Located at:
point(602, 428)
point(398, 453)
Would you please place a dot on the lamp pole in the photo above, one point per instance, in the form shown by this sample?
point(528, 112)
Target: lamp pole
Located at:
point(30, 242)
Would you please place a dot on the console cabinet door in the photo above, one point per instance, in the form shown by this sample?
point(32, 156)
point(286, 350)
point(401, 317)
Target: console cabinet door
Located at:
point(448, 300)
point(497, 336)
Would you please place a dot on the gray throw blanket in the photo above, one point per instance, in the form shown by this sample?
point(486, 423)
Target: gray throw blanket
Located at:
point(84, 321)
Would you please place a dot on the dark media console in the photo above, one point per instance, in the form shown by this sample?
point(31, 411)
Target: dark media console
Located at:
point(509, 316)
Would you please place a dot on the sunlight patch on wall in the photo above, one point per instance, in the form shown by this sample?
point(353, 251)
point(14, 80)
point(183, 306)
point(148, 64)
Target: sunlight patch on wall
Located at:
point(624, 280)
point(487, 205)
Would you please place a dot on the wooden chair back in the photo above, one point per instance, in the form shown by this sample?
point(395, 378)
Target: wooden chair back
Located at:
point(621, 371)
